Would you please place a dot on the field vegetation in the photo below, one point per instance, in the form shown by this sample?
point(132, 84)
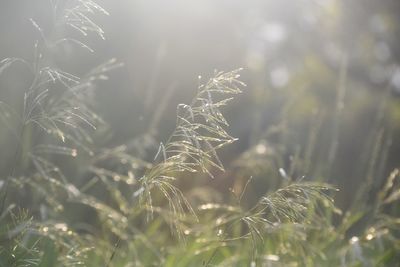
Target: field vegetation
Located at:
point(249, 166)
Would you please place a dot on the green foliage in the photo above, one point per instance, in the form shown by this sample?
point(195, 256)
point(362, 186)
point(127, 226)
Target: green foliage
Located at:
point(17, 249)
point(126, 208)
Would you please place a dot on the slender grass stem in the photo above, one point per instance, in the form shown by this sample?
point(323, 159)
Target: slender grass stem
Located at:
point(114, 252)
point(17, 154)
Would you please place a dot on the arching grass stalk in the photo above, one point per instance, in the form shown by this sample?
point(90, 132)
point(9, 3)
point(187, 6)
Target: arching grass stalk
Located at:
point(192, 147)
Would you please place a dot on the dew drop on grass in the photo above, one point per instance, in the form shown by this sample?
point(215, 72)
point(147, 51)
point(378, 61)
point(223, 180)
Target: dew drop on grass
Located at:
point(354, 240)
point(282, 172)
point(219, 232)
point(272, 257)
point(61, 226)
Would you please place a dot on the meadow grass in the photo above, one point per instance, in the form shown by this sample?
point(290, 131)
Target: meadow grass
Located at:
point(141, 212)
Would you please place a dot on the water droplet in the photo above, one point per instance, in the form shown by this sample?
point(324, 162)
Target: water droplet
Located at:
point(282, 172)
point(354, 240)
point(272, 257)
point(219, 232)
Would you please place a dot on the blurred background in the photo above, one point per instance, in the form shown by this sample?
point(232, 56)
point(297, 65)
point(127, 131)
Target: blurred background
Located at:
point(323, 82)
